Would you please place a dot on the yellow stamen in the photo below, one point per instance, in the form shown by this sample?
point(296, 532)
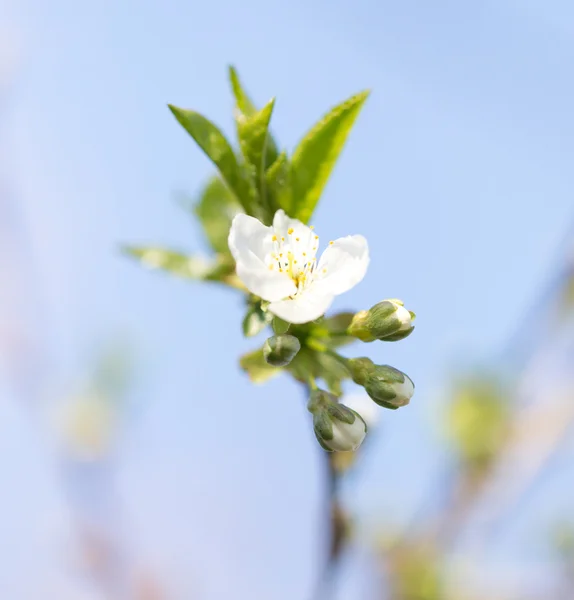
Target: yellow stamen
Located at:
point(274, 238)
point(290, 230)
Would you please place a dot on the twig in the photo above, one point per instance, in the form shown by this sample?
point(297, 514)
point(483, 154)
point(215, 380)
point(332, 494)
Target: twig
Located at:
point(337, 529)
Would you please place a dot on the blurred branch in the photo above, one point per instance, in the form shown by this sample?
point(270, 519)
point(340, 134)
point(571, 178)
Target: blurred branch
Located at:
point(337, 528)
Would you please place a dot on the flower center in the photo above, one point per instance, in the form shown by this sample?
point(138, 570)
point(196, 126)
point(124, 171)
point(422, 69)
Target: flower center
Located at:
point(294, 255)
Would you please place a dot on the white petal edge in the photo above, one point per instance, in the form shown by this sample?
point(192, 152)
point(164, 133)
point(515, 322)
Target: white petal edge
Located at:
point(282, 222)
point(250, 243)
point(346, 261)
point(303, 308)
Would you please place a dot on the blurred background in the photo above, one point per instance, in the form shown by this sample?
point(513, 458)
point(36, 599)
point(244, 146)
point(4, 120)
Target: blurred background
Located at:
point(137, 461)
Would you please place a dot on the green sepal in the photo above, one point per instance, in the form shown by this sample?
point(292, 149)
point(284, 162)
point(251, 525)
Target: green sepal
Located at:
point(379, 391)
point(360, 369)
point(280, 350)
point(383, 404)
point(323, 425)
point(341, 413)
point(389, 373)
point(401, 335)
point(322, 443)
point(255, 320)
point(280, 326)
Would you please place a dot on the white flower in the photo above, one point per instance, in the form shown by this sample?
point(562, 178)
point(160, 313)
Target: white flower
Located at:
point(404, 392)
point(279, 264)
point(403, 315)
point(347, 437)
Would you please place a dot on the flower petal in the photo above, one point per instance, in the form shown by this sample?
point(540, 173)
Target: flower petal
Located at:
point(296, 234)
point(250, 244)
point(305, 307)
point(342, 265)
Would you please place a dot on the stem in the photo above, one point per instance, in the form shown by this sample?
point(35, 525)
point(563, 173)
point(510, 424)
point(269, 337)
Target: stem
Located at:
point(336, 526)
point(341, 359)
point(336, 531)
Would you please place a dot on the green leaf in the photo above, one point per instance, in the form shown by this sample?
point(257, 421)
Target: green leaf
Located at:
point(279, 184)
point(316, 154)
point(246, 109)
point(254, 364)
point(215, 208)
point(253, 135)
point(210, 139)
point(244, 103)
point(181, 265)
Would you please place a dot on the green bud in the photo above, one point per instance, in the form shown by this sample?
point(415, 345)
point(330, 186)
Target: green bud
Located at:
point(255, 321)
point(360, 368)
point(389, 387)
point(280, 350)
point(389, 321)
point(337, 427)
point(319, 399)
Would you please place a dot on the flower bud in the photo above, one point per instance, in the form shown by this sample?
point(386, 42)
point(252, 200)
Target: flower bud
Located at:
point(280, 350)
point(360, 368)
point(389, 321)
point(389, 387)
point(337, 427)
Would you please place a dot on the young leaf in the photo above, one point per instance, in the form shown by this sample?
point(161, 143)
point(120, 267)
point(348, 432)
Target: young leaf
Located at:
point(179, 264)
point(278, 180)
point(253, 135)
point(210, 139)
point(243, 101)
point(255, 365)
point(246, 109)
point(215, 208)
point(316, 154)
point(182, 265)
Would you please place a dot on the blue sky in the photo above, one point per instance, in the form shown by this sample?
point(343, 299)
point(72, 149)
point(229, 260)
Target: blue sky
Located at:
point(458, 173)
